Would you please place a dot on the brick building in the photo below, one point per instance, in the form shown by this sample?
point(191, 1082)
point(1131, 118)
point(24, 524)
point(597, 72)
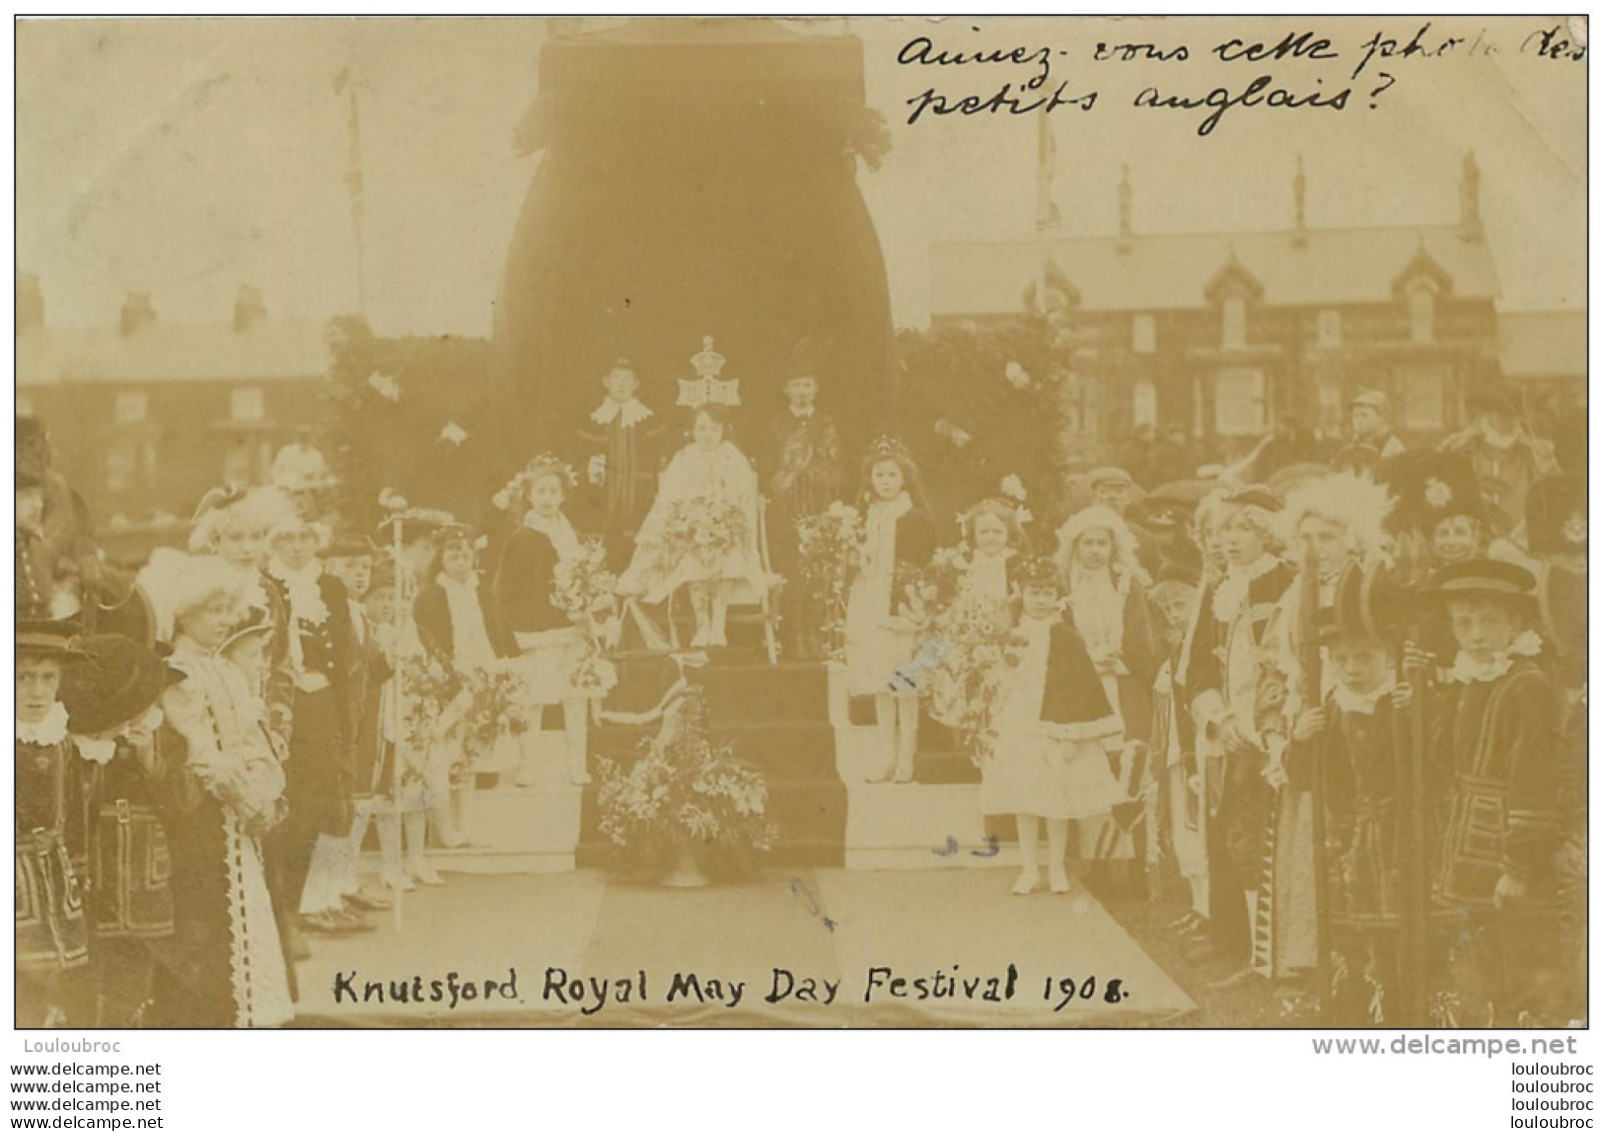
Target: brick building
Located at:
point(1225, 332)
point(146, 416)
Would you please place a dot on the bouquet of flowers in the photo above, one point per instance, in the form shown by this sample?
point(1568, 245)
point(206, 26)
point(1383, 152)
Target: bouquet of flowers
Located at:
point(497, 716)
point(584, 588)
point(704, 529)
point(975, 647)
point(685, 789)
point(828, 541)
point(437, 700)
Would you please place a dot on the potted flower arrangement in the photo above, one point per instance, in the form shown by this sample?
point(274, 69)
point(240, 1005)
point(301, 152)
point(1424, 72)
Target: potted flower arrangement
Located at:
point(687, 805)
point(586, 589)
point(829, 540)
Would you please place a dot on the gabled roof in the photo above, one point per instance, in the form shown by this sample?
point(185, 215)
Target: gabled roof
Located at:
point(1547, 343)
point(1322, 267)
point(267, 351)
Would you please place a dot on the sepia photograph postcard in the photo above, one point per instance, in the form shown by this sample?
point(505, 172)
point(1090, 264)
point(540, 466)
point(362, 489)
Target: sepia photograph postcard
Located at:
point(748, 522)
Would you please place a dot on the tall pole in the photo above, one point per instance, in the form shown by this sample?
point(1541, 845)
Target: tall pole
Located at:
point(347, 82)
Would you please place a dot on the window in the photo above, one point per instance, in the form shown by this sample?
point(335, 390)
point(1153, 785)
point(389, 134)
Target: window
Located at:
point(1238, 402)
point(1234, 330)
point(1329, 329)
point(1421, 316)
point(1422, 392)
point(132, 408)
point(1144, 402)
point(1144, 334)
point(246, 404)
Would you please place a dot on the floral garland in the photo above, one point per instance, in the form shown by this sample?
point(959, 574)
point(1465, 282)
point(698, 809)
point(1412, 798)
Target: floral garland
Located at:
point(685, 788)
point(436, 704)
point(499, 697)
point(977, 647)
point(584, 588)
point(829, 541)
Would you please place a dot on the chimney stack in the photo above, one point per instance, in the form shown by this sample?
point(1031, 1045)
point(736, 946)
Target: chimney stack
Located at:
point(137, 313)
point(249, 308)
point(30, 304)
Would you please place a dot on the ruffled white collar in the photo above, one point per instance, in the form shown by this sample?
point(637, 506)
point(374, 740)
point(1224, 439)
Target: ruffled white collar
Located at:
point(48, 731)
point(97, 750)
point(305, 595)
point(1352, 703)
point(1231, 597)
point(632, 412)
point(1468, 670)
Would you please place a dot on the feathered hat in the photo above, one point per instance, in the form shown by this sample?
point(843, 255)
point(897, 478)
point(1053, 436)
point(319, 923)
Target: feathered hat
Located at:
point(176, 582)
point(1430, 486)
point(1358, 504)
point(1555, 515)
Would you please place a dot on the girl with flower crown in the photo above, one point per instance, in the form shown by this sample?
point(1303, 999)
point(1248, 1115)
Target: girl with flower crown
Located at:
point(701, 531)
point(550, 644)
point(880, 636)
point(1048, 761)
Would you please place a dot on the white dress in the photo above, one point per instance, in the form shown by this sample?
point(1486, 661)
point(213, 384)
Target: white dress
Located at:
point(722, 477)
point(548, 659)
point(876, 648)
point(1041, 769)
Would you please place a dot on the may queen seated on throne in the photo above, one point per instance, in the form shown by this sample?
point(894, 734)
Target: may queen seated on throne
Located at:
point(702, 530)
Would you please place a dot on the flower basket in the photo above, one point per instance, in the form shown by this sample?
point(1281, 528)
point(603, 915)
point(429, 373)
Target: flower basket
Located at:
point(685, 804)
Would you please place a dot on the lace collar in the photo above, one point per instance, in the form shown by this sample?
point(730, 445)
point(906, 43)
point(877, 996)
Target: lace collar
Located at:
point(802, 413)
point(305, 595)
point(632, 412)
point(1467, 670)
point(1352, 703)
point(48, 731)
point(1230, 599)
point(97, 750)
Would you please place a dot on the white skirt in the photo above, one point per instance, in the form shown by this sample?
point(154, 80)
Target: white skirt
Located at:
point(1040, 776)
point(547, 662)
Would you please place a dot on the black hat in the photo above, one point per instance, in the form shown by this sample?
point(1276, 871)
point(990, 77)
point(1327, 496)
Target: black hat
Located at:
point(133, 617)
point(1485, 577)
point(1369, 602)
point(1555, 515)
point(802, 362)
point(1252, 495)
point(117, 682)
point(52, 638)
point(346, 544)
point(1039, 570)
point(1430, 486)
point(255, 622)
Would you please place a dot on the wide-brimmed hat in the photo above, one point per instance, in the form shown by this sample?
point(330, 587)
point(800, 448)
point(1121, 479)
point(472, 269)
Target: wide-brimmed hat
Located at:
point(1369, 602)
point(56, 639)
point(1252, 495)
point(346, 544)
point(118, 681)
point(255, 622)
point(1484, 577)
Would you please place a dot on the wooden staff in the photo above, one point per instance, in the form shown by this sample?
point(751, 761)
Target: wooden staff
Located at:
point(403, 611)
point(1412, 957)
point(1312, 696)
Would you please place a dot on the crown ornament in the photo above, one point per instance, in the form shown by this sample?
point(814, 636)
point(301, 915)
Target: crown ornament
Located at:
point(707, 388)
point(888, 447)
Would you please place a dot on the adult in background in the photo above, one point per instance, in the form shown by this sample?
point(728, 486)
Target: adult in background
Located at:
point(1506, 456)
point(1370, 414)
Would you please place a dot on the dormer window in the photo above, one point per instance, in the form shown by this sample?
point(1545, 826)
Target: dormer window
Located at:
point(1233, 331)
point(1421, 315)
point(1144, 334)
point(1329, 329)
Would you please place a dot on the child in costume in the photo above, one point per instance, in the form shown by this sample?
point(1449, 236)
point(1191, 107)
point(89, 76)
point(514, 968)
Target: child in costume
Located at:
point(54, 983)
point(1049, 759)
point(550, 643)
point(1179, 808)
point(224, 965)
point(880, 639)
point(1497, 726)
point(621, 443)
point(701, 532)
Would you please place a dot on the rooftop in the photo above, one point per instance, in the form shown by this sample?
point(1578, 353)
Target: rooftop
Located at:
point(1319, 267)
point(266, 351)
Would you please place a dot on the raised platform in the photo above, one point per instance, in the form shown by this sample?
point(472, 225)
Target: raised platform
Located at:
point(814, 746)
